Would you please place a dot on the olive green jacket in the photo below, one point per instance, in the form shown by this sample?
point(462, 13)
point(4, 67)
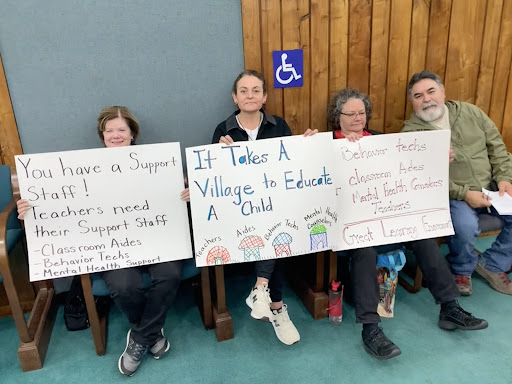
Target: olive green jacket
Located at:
point(480, 155)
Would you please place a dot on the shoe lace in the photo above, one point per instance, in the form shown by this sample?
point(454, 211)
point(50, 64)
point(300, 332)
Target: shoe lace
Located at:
point(136, 350)
point(379, 338)
point(460, 314)
point(282, 315)
point(462, 279)
point(263, 294)
point(505, 278)
point(267, 294)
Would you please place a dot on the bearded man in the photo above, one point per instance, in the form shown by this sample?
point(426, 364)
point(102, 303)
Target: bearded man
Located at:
point(480, 160)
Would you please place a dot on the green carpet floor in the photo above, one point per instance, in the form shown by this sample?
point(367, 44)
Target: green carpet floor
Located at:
point(325, 354)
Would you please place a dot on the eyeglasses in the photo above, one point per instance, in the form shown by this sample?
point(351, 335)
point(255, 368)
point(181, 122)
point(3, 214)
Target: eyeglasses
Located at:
point(352, 115)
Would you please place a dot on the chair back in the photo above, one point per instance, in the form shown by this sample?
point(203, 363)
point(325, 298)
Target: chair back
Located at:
point(489, 223)
point(6, 195)
point(99, 287)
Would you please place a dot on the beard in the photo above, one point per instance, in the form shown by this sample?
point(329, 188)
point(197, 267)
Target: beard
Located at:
point(431, 114)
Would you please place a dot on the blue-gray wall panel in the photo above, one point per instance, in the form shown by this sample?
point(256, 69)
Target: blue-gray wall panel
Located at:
point(171, 62)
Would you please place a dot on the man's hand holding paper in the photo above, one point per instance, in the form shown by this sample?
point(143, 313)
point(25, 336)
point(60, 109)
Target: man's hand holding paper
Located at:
point(502, 204)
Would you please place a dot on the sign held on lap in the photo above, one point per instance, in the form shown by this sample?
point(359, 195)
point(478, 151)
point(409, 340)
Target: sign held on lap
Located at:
point(290, 196)
point(101, 209)
point(392, 188)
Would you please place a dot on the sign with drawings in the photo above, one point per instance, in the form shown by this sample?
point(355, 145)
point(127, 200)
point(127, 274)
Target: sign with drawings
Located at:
point(101, 209)
point(262, 199)
point(392, 188)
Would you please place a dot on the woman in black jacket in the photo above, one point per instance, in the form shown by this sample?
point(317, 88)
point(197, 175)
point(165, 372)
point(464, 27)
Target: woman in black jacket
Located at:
point(251, 122)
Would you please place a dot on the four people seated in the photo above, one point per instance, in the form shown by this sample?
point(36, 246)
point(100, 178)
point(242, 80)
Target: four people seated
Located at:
point(480, 158)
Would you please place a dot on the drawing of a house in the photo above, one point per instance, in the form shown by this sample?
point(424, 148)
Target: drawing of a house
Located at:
point(251, 246)
point(281, 244)
point(218, 256)
point(318, 237)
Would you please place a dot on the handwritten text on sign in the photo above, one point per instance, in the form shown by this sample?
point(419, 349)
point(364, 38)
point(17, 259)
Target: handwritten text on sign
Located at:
point(262, 199)
point(101, 209)
point(393, 188)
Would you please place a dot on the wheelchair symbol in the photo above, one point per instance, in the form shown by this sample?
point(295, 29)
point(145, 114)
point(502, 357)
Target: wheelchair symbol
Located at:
point(284, 67)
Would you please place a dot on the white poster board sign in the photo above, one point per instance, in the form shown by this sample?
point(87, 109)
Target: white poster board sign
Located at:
point(101, 209)
point(262, 199)
point(392, 188)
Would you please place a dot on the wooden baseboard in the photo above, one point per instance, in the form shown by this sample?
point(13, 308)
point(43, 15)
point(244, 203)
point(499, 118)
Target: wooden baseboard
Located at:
point(42, 317)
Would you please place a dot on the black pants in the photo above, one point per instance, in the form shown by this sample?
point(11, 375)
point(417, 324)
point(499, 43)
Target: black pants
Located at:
point(145, 309)
point(363, 262)
point(273, 271)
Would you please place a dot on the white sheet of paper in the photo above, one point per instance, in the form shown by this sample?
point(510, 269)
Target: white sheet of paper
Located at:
point(101, 209)
point(503, 204)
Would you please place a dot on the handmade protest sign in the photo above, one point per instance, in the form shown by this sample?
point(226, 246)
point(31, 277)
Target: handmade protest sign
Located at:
point(261, 199)
point(392, 188)
point(100, 209)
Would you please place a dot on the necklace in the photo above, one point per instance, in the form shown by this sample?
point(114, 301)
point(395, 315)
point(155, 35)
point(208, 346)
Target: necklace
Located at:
point(245, 129)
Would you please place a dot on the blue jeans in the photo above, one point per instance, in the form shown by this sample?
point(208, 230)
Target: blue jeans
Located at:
point(462, 257)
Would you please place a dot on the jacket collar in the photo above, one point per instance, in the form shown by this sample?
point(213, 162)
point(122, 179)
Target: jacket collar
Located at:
point(454, 108)
point(231, 122)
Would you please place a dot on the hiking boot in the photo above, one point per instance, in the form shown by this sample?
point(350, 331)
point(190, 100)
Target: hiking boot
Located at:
point(131, 358)
point(497, 280)
point(283, 326)
point(377, 344)
point(464, 284)
point(455, 317)
point(259, 302)
point(161, 346)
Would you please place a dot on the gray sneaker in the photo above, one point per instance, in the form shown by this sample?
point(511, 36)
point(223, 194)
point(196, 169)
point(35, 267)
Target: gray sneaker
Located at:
point(498, 281)
point(161, 347)
point(131, 358)
point(464, 284)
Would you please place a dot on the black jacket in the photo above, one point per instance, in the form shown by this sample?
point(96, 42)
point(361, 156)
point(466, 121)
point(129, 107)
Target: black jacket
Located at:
point(271, 126)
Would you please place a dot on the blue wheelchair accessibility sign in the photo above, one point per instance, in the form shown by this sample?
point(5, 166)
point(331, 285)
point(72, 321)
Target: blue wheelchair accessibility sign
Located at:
point(288, 68)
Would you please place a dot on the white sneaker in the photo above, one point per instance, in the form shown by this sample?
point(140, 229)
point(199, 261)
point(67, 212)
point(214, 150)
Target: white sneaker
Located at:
point(161, 346)
point(283, 326)
point(259, 302)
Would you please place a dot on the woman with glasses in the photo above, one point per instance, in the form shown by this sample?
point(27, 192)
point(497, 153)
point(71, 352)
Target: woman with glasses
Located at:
point(348, 115)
